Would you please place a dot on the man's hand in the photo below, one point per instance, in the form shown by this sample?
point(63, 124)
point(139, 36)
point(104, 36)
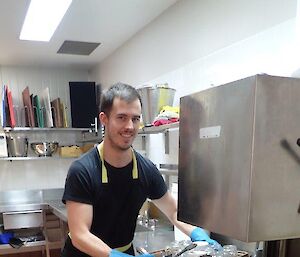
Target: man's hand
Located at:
point(115, 253)
point(199, 234)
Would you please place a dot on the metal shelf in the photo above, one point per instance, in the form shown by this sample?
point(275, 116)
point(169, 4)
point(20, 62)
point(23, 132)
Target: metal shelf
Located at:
point(168, 172)
point(29, 129)
point(32, 158)
point(158, 129)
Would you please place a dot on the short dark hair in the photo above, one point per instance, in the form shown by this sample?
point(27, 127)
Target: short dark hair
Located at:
point(120, 90)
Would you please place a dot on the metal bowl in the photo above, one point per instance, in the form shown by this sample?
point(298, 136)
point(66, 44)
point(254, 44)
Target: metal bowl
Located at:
point(44, 148)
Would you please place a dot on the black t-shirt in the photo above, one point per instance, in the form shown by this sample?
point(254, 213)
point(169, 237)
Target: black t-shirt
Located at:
point(117, 203)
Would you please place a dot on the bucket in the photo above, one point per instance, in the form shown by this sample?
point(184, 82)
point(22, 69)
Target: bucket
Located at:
point(17, 146)
point(153, 99)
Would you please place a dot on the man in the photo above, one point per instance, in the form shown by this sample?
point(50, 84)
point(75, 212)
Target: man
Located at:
point(107, 186)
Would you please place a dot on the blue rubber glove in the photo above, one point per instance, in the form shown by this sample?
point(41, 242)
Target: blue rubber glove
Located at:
point(199, 234)
point(115, 253)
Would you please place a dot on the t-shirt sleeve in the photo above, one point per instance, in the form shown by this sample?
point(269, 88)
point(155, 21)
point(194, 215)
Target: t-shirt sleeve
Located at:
point(78, 185)
point(158, 187)
point(156, 184)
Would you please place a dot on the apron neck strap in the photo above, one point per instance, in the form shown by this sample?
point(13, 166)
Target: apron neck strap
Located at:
point(104, 177)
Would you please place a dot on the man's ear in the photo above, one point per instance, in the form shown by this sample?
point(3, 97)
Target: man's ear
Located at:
point(103, 118)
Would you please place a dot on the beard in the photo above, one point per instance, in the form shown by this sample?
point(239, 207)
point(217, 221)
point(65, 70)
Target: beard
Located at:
point(120, 146)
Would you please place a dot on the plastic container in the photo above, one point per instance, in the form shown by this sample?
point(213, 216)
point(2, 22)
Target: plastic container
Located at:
point(5, 237)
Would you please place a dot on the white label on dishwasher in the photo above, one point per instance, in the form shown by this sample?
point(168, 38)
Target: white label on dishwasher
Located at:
point(210, 132)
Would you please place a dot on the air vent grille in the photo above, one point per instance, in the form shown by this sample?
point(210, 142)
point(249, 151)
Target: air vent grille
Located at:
point(77, 47)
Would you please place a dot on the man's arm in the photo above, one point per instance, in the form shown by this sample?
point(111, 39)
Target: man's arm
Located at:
point(80, 217)
point(167, 204)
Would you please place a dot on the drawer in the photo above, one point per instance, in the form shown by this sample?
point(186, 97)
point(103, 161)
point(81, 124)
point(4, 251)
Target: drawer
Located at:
point(23, 219)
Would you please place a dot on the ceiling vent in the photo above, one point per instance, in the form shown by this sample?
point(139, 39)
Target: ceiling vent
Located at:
point(77, 47)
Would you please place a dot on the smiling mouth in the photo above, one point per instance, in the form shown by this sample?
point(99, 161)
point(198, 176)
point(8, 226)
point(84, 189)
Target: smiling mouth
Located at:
point(128, 136)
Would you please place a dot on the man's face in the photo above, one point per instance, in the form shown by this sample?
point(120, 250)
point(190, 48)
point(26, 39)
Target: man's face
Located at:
point(122, 124)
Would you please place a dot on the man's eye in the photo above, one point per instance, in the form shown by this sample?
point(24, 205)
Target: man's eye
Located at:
point(136, 119)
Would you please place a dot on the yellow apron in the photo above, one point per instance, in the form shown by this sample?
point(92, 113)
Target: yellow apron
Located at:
point(104, 178)
point(120, 249)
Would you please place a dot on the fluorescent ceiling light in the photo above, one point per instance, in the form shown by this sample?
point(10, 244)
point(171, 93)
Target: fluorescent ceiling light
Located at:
point(42, 19)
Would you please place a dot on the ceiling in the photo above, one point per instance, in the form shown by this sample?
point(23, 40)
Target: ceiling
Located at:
point(109, 22)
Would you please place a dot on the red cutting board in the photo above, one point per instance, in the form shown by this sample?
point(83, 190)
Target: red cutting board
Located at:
point(12, 119)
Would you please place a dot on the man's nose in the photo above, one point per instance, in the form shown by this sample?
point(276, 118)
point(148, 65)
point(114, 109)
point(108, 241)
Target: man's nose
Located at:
point(129, 124)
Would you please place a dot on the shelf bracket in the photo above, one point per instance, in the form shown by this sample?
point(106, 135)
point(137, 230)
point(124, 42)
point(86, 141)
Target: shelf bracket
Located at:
point(167, 142)
point(143, 142)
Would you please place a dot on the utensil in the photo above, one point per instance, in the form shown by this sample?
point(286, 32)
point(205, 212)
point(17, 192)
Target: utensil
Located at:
point(168, 252)
point(187, 248)
point(141, 250)
point(16, 242)
point(44, 148)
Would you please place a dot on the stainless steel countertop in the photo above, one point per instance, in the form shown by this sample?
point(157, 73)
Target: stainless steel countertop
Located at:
point(151, 240)
point(22, 207)
point(56, 206)
point(27, 200)
point(59, 209)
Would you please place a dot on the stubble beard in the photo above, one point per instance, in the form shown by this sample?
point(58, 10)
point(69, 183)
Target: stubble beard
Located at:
point(117, 146)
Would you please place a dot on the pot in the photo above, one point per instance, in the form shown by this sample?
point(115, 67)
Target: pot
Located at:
point(17, 146)
point(153, 99)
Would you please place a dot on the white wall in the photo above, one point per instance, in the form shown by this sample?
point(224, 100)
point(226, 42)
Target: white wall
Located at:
point(38, 174)
point(198, 44)
point(192, 45)
point(188, 31)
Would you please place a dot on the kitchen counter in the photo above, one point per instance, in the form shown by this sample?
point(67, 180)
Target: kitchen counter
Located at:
point(7, 207)
point(55, 206)
point(58, 209)
point(151, 240)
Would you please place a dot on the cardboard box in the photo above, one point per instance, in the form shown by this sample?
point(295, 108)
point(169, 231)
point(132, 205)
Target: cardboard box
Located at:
point(70, 151)
point(86, 147)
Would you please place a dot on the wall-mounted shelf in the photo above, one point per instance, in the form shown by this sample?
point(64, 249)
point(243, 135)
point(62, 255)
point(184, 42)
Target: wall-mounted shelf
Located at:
point(29, 129)
point(29, 158)
point(35, 134)
point(158, 129)
point(144, 130)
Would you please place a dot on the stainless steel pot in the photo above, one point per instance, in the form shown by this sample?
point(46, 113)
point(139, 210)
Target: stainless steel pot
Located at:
point(17, 146)
point(153, 99)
